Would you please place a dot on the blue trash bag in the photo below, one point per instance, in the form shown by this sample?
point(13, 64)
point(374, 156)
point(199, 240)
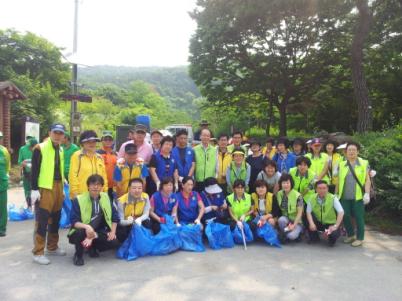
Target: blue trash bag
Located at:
point(66, 209)
point(16, 214)
point(28, 214)
point(219, 236)
point(237, 237)
point(191, 238)
point(139, 243)
point(167, 240)
point(268, 233)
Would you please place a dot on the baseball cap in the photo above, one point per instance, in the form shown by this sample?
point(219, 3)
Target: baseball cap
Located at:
point(130, 148)
point(107, 134)
point(140, 128)
point(32, 142)
point(58, 127)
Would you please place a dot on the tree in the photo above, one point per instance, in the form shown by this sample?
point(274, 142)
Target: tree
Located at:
point(268, 47)
point(364, 106)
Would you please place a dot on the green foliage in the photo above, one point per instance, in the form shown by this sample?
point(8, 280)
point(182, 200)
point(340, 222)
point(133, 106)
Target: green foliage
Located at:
point(384, 152)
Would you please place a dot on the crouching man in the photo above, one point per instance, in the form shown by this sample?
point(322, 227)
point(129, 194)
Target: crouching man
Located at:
point(133, 207)
point(94, 221)
point(324, 214)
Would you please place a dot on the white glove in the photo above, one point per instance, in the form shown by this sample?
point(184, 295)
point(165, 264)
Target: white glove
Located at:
point(366, 198)
point(372, 173)
point(239, 224)
point(138, 221)
point(181, 179)
point(197, 221)
point(35, 196)
point(120, 161)
point(158, 183)
point(176, 186)
point(130, 219)
point(242, 218)
point(178, 225)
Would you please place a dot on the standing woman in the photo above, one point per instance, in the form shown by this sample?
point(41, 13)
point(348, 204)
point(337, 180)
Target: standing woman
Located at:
point(291, 205)
point(162, 164)
point(353, 189)
point(333, 161)
point(190, 207)
point(270, 175)
point(319, 160)
point(163, 202)
point(256, 161)
point(85, 163)
point(269, 149)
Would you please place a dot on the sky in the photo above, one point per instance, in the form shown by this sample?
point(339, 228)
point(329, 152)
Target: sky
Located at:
point(110, 32)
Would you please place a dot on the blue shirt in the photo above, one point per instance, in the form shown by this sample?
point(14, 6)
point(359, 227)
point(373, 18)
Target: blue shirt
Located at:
point(283, 163)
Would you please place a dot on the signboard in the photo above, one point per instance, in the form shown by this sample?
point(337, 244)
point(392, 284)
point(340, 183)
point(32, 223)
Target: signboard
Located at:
point(32, 129)
point(79, 97)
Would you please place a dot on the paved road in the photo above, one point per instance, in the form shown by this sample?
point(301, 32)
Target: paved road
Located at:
point(295, 272)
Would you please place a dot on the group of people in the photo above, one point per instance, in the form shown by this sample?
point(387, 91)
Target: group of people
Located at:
point(304, 187)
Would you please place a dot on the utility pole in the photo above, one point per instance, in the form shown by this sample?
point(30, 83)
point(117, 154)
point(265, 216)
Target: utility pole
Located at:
point(74, 84)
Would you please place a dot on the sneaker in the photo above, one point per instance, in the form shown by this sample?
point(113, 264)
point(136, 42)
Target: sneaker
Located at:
point(57, 252)
point(41, 259)
point(349, 240)
point(78, 260)
point(357, 243)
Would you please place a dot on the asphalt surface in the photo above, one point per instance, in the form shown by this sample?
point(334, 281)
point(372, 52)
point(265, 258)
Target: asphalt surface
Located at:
point(295, 272)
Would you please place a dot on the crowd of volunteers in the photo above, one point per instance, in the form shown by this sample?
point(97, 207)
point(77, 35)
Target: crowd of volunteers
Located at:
point(311, 189)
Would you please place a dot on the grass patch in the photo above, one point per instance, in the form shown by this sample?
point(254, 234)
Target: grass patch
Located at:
point(384, 223)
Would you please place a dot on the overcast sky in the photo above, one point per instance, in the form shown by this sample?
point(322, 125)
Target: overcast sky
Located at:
point(110, 32)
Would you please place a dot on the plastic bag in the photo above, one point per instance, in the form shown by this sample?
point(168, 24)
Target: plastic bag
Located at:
point(191, 238)
point(66, 209)
point(219, 236)
point(167, 240)
point(237, 237)
point(269, 235)
point(16, 214)
point(139, 243)
point(28, 214)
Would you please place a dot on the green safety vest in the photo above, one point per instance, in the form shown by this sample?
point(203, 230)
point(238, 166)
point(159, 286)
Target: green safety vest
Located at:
point(233, 176)
point(4, 168)
point(85, 204)
point(46, 173)
point(317, 164)
point(240, 207)
point(301, 183)
point(361, 173)
point(205, 162)
point(325, 213)
point(291, 211)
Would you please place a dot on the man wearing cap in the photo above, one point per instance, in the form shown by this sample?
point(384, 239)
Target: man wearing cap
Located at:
point(156, 138)
point(69, 149)
point(183, 155)
point(84, 163)
point(24, 160)
point(284, 159)
point(319, 160)
point(203, 125)
point(109, 157)
point(5, 164)
point(144, 149)
point(47, 177)
point(206, 158)
point(133, 167)
point(238, 169)
point(214, 202)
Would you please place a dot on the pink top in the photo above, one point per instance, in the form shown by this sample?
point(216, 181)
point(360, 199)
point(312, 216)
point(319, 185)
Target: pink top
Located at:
point(144, 151)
